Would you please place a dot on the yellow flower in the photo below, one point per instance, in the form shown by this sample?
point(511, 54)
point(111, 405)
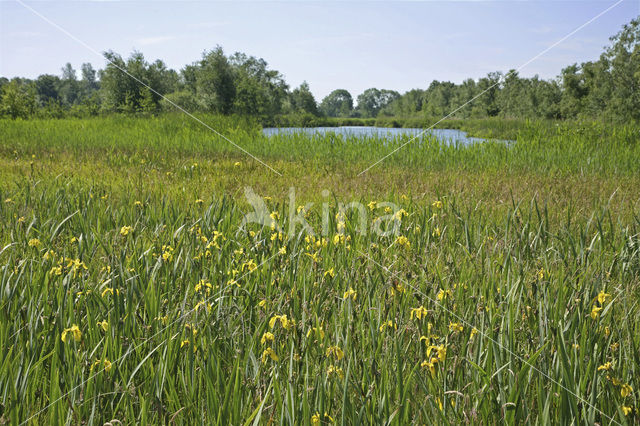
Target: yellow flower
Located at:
point(283, 250)
point(50, 254)
point(389, 324)
point(606, 366)
point(436, 232)
point(237, 164)
point(315, 419)
point(400, 214)
point(167, 253)
point(626, 410)
point(269, 353)
point(76, 266)
point(34, 242)
point(602, 297)
point(316, 330)
point(267, 337)
point(109, 292)
point(403, 241)
point(337, 370)
point(372, 205)
point(126, 230)
point(437, 204)
point(351, 293)
point(250, 265)
point(203, 284)
point(330, 272)
point(454, 326)
point(474, 331)
point(443, 294)
point(191, 327)
point(199, 201)
point(625, 390)
point(396, 288)
point(107, 364)
point(313, 256)
point(104, 325)
point(540, 274)
point(614, 380)
point(138, 204)
point(430, 365)
point(441, 351)
point(21, 219)
point(77, 334)
point(595, 311)
point(419, 312)
point(335, 351)
point(262, 303)
point(284, 321)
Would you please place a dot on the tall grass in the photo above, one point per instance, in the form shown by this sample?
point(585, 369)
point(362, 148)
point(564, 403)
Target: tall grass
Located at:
point(526, 312)
point(582, 148)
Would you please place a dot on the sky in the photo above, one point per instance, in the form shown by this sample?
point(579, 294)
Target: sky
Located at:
point(351, 45)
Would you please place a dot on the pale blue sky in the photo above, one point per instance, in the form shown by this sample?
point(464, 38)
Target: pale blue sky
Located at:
point(352, 45)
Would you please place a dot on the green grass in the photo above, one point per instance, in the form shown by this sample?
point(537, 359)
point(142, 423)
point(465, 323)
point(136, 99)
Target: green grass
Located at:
point(542, 146)
point(518, 242)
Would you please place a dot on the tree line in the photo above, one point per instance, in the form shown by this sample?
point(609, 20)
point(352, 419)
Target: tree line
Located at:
point(608, 87)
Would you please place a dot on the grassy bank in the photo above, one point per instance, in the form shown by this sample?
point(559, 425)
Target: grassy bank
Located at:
point(499, 128)
point(541, 147)
point(132, 291)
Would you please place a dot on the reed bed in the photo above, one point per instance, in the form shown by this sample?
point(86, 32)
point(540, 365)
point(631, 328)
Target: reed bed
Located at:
point(132, 291)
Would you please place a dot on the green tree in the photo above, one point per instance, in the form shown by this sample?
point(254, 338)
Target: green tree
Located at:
point(406, 105)
point(18, 99)
point(574, 91)
point(338, 103)
point(47, 89)
point(89, 76)
point(259, 90)
point(487, 104)
point(125, 84)
point(69, 88)
point(438, 98)
point(372, 100)
point(302, 100)
point(214, 81)
point(623, 58)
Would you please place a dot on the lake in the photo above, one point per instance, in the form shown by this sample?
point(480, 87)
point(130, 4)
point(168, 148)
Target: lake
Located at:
point(452, 136)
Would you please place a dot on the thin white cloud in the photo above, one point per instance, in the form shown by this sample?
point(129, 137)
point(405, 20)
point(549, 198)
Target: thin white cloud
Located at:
point(207, 25)
point(541, 30)
point(147, 41)
point(337, 39)
point(26, 34)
